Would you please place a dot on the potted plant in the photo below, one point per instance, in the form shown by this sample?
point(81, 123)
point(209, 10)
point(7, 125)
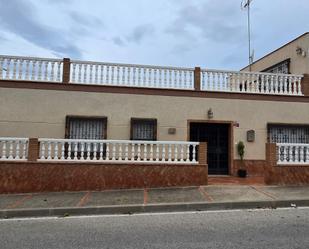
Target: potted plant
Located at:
point(242, 172)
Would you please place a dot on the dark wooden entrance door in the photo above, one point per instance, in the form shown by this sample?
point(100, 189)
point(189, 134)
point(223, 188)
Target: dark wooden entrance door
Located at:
point(217, 138)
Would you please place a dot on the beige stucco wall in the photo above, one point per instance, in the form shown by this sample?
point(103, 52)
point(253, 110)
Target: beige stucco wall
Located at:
point(41, 113)
point(298, 63)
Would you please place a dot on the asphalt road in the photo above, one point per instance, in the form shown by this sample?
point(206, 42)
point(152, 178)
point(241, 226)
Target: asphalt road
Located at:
point(282, 228)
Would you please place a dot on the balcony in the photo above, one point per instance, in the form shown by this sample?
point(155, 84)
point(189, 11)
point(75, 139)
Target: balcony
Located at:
point(58, 71)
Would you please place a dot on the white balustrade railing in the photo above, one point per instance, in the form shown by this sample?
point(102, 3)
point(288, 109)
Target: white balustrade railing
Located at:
point(131, 75)
point(251, 82)
point(100, 73)
point(118, 151)
point(30, 68)
point(13, 148)
point(293, 153)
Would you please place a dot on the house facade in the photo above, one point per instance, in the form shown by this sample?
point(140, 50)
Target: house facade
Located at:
point(118, 114)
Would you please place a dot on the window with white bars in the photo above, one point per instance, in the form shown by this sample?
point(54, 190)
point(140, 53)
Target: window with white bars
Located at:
point(280, 68)
point(143, 129)
point(288, 133)
point(85, 128)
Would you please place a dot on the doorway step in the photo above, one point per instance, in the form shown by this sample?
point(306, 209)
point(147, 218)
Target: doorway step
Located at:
point(233, 180)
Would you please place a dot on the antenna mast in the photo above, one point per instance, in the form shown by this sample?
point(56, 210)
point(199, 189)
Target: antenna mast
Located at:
point(245, 4)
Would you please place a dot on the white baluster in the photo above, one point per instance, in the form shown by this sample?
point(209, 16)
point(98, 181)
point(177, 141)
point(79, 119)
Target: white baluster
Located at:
point(155, 77)
point(96, 74)
point(58, 71)
point(94, 151)
point(49, 150)
point(82, 151)
point(101, 74)
point(138, 76)
point(276, 83)
point(56, 150)
point(285, 84)
point(46, 70)
point(52, 71)
point(307, 155)
point(75, 151)
point(165, 77)
point(42, 150)
point(128, 83)
point(17, 150)
point(296, 149)
point(85, 73)
point(301, 154)
point(134, 77)
point(150, 84)
point(194, 153)
point(284, 154)
point(107, 75)
point(101, 151)
point(118, 76)
point(14, 68)
point(169, 152)
point(69, 151)
point(126, 152)
point(290, 85)
point(170, 76)
point(290, 154)
point(163, 152)
point(39, 70)
point(298, 80)
point(24, 149)
point(151, 153)
point(112, 74)
point(73, 72)
point(8, 68)
point(1, 67)
point(181, 153)
point(88, 150)
point(188, 153)
point(10, 149)
point(180, 77)
point(3, 156)
point(114, 152)
point(160, 77)
point(33, 69)
point(145, 152)
point(144, 83)
point(175, 79)
point(62, 151)
point(132, 152)
point(138, 152)
point(157, 153)
point(79, 73)
point(123, 75)
point(176, 153)
point(120, 152)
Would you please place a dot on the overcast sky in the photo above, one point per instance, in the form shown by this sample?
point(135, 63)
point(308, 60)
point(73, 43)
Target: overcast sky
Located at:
point(206, 33)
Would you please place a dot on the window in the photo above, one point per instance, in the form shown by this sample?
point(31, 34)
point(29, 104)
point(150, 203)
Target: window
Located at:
point(143, 129)
point(288, 133)
point(86, 127)
point(281, 67)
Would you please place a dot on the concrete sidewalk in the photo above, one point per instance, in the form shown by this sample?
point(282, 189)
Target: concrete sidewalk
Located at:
point(212, 197)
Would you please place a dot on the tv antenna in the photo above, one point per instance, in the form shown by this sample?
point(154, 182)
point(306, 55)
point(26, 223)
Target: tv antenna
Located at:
point(245, 5)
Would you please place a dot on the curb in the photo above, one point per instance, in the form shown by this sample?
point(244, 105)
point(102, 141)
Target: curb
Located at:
point(152, 208)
